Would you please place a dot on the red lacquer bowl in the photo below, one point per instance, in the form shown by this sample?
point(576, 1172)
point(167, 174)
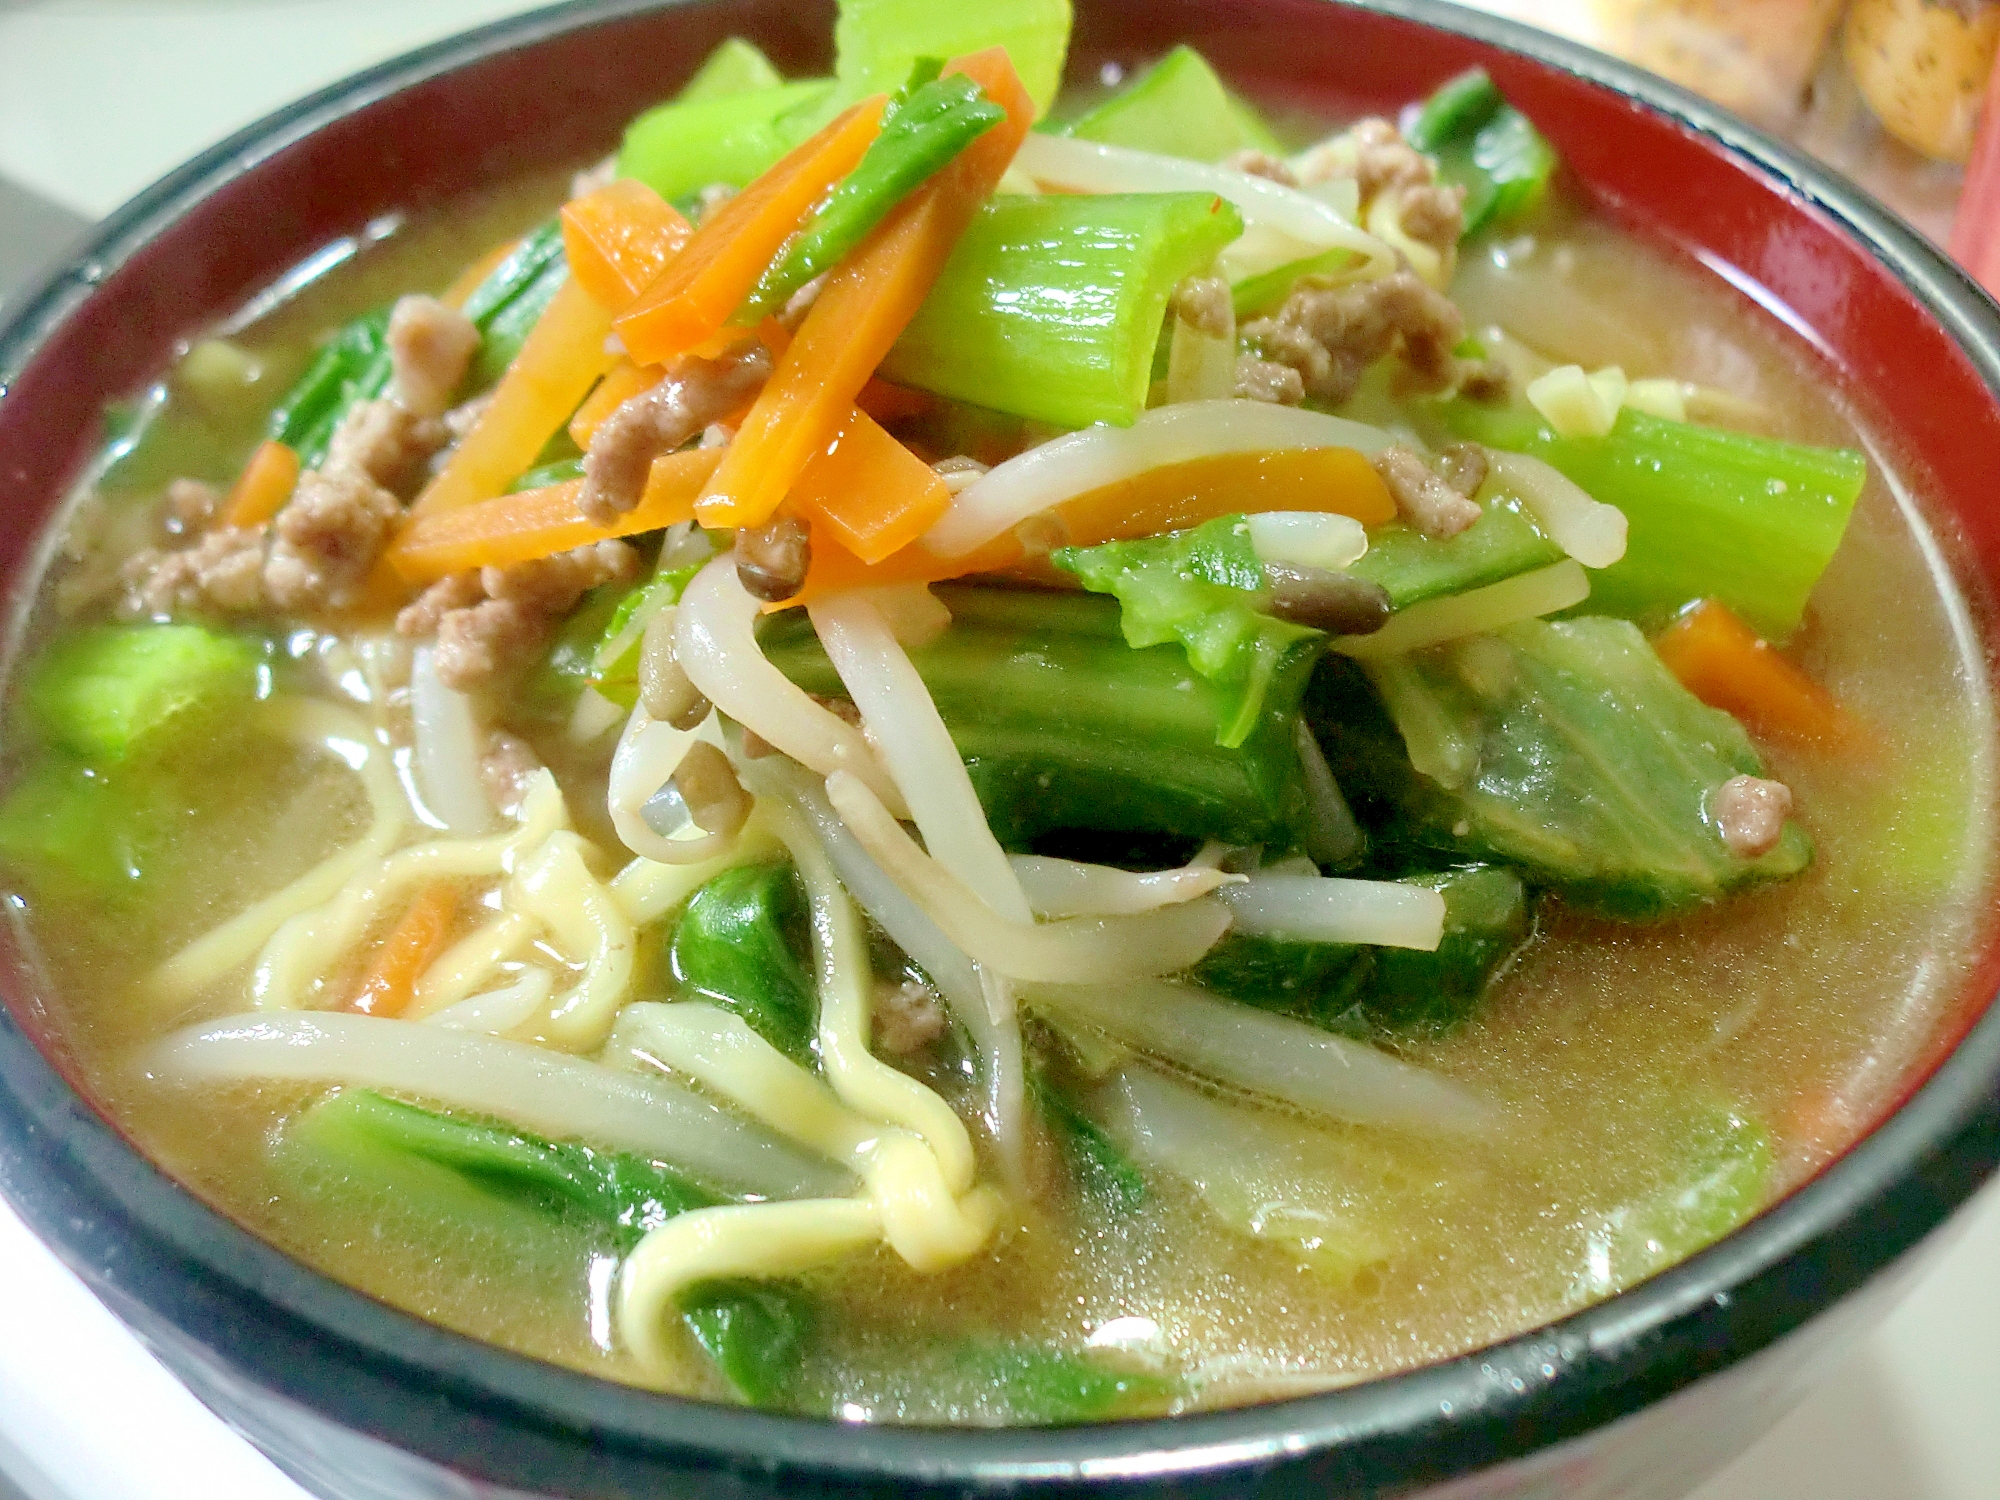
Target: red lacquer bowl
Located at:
point(1637, 1398)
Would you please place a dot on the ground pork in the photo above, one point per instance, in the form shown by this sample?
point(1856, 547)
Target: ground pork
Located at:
point(1373, 153)
point(1202, 302)
point(1331, 335)
point(1422, 498)
point(907, 1018)
point(1464, 467)
point(1262, 164)
point(188, 506)
point(385, 441)
point(487, 621)
point(1267, 380)
point(223, 573)
point(1484, 380)
point(1750, 813)
point(327, 538)
point(1380, 161)
point(695, 393)
point(318, 551)
point(430, 347)
point(505, 769)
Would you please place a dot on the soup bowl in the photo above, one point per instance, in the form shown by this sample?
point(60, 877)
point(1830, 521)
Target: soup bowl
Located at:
point(1639, 1396)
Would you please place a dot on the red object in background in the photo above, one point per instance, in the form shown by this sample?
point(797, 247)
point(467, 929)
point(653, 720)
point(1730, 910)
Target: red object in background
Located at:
point(1975, 230)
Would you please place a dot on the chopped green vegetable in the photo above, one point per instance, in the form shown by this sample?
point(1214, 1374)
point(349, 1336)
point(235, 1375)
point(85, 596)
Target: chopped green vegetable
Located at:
point(1713, 514)
point(1266, 1176)
point(1200, 588)
point(683, 147)
point(562, 471)
point(1721, 1178)
point(112, 693)
point(921, 132)
point(1064, 727)
point(503, 333)
point(752, 1331)
point(353, 365)
point(1105, 1174)
point(551, 689)
point(1177, 107)
point(625, 1194)
point(1566, 750)
point(615, 662)
point(539, 249)
point(1485, 145)
point(1413, 567)
point(1363, 990)
point(734, 67)
point(67, 830)
point(876, 42)
point(1050, 308)
point(1050, 1387)
point(1254, 296)
point(733, 945)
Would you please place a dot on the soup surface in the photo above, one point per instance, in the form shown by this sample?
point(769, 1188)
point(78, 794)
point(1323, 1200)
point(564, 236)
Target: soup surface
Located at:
point(336, 951)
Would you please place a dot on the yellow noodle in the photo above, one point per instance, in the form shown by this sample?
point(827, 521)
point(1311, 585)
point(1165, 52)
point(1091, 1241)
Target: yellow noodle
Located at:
point(555, 884)
point(306, 946)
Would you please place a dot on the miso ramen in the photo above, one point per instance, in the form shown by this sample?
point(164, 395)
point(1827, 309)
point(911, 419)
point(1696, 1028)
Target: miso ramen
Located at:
point(895, 767)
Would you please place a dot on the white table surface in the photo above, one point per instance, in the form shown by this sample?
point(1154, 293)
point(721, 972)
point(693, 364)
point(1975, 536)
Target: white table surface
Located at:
point(98, 98)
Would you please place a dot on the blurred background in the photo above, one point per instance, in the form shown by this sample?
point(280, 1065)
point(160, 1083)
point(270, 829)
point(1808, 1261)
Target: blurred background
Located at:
point(100, 97)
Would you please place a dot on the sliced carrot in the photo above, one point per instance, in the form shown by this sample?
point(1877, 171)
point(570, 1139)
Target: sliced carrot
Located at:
point(541, 523)
point(619, 239)
point(469, 280)
point(1727, 665)
point(866, 303)
point(874, 495)
point(263, 488)
point(834, 569)
point(625, 381)
point(562, 359)
point(410, 948)
point(1174, 497)
point(722, 262)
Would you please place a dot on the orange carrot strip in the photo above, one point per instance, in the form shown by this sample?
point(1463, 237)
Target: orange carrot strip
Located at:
point(541, 523)
point(1723, 662)
point(625, 381)
point(619, 239)
point(834, 569)
point(1174, 497)
point(873, 494)
point(867, 301)
point(264, 486)
point(562, 359)
point(708, 281)
point(468, 280)
point(409, 949)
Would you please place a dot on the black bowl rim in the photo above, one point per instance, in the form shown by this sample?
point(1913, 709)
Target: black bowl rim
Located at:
point(1537, 1389)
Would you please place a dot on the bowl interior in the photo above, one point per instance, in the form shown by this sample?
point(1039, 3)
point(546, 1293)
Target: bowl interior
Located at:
point(1916, 345)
